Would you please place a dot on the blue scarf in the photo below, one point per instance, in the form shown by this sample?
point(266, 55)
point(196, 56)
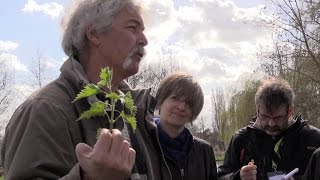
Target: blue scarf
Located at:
point(177, 148)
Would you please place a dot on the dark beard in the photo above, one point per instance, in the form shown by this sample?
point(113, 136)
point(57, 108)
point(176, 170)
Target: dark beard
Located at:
point(272, 129)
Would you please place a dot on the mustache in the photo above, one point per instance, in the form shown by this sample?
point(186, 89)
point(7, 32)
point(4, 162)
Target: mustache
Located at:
point(140, 50)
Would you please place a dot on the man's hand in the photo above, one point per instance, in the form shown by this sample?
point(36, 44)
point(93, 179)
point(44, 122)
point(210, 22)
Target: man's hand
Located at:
point(111, 158)
point(248, 172)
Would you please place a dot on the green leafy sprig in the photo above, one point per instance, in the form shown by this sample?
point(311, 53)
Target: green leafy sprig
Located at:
point(101, 108)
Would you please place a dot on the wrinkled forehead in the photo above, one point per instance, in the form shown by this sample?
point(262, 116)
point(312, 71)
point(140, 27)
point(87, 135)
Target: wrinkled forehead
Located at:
point(131, 14)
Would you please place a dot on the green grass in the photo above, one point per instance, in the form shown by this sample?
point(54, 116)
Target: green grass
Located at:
point(1, 178)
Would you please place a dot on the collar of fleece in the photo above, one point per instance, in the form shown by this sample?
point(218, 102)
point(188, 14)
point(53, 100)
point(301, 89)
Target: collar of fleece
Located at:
point(175, 148)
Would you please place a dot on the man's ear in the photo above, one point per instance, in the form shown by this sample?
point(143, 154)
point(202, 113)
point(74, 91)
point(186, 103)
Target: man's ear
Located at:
point(92, 35)
point(291, 110)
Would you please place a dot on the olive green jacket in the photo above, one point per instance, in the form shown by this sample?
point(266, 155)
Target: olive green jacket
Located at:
point(41, 137)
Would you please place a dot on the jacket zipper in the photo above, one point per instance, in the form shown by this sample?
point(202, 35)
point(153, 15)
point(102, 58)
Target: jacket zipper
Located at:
point(162, 154)
point(182, 169)
point(182, 173)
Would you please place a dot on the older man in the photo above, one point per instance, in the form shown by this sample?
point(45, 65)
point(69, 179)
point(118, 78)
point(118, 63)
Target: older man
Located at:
point(43, 140)
point(275, 143)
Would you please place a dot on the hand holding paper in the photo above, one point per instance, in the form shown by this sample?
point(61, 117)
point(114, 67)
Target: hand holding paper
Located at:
point(290, 174)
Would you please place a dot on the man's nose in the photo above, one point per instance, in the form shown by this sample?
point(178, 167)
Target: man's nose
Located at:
point(143, 41)
point(271, 122)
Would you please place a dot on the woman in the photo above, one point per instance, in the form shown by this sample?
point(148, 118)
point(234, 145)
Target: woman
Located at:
point(179, 101)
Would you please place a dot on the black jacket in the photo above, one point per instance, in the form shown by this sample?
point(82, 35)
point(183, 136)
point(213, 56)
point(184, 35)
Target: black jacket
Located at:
point(313, 170)
point(297, 145)
point(200, 163)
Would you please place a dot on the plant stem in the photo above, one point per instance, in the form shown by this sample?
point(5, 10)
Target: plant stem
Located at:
point(112, 113)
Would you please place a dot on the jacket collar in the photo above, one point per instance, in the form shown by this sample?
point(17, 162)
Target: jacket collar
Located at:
point(297, 124)
point(73, 71)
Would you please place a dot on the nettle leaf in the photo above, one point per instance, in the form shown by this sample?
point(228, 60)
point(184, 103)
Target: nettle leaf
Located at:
point(102, 83)
point(106, 74)
point(89, 90)
point(128, 101)
point(130, 119)
point(99, 108)
point(113, 96)
point(96, 109)
point(133, 110)
point(105, 77)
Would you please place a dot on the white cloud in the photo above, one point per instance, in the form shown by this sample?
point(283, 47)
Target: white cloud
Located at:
point(52, 63)
point(13, 62)
point(190, 14)
point(214, 39)
point(51, 9)
point(6, 46)
point(53, 67)
point(23, 90)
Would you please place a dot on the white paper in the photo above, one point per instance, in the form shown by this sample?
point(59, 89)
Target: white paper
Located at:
point(290, 174)
point(277, 177)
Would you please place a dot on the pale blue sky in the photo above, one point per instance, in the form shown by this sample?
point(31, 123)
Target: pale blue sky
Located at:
point(32, 31)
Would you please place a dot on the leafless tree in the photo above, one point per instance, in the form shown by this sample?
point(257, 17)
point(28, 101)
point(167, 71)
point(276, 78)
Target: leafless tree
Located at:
point(6, 81)
point(218, 107)
point(6, 91)
point(152, 73)
point(296, 53)
point(296, 27)
point(40, 70)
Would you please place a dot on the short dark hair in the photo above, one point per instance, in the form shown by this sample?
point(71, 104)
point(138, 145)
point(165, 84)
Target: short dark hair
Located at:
point(182, 85)
point(273, 93)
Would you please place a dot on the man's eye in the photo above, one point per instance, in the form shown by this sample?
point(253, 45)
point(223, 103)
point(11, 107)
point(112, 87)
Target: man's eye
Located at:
point(279, 118)
point(132, 28)
point(174, 97)
point(264, 117)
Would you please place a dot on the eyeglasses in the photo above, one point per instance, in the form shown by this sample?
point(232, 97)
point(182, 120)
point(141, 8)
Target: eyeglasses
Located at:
point(263, 117)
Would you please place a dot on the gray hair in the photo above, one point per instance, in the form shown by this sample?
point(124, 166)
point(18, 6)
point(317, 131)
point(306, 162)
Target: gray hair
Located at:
point(98, 13)
point(273, 93)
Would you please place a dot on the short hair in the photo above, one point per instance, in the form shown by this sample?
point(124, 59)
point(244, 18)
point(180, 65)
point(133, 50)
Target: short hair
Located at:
point(98, 13)
point(182, 85)
point(273, 93)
